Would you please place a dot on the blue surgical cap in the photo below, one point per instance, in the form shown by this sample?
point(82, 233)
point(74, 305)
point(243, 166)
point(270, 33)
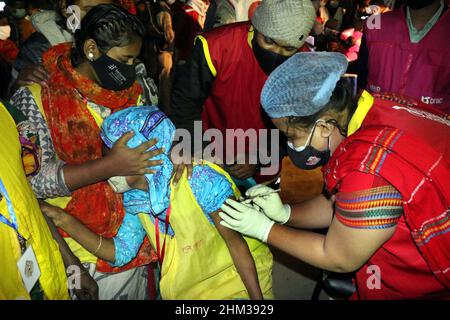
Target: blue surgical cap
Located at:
point(303, 84)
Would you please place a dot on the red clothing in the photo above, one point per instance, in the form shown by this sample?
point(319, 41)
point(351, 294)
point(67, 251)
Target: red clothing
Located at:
point(186, 27)
point(8, 51)
point(130, 5)
point(234, 100)
point(365, 201)
point(418, 70)
point(76, 138)
point(408, 148)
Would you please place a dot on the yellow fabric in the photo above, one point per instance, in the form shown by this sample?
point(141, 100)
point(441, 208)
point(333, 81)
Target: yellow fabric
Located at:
point(251, 34)
point(138, 103)
point(197, 263)
point(98, 119)
point(365, 102)
point(31, 224)
point(79, 251)
point(207, 55)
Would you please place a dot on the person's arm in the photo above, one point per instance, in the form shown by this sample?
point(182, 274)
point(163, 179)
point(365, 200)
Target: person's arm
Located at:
point(211, 189)
point(316, 213)
point(164, 20)
point(89, 288)
point(56, 178)
point(366, 217)
point(48, 180)
point(118, 251)
point(92, 242)
point(120, 161)
point(242, 258)
point(190, 90)
point(342, 249)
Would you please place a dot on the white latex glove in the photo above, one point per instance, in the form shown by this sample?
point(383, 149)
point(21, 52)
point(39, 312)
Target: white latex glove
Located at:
point(246, 220)
point(270, 204)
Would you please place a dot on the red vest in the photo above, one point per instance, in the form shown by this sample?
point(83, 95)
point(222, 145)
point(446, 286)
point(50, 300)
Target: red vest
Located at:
point(418, 70)
point(234, 101)
point(410, 149)
point(186, 27)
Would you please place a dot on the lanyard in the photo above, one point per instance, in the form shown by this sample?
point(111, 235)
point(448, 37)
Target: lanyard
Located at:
point(159, 252)
point(12, 216)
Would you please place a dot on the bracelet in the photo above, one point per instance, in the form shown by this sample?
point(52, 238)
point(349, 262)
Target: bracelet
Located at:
point(99, 245)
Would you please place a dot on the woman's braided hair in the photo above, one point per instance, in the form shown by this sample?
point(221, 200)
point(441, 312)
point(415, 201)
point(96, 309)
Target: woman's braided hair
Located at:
point(109, 26)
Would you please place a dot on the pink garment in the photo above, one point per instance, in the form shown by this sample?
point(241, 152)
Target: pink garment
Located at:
point(352, 52)
point(418, 70)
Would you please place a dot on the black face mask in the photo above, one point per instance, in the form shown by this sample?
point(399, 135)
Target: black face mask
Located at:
point(418, 4)
point(114, 75)
point(268, 60)
point(307, 157)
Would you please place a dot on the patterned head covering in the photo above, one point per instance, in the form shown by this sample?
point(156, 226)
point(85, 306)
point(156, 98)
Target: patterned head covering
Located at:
point(285, 20)
point(147, 122)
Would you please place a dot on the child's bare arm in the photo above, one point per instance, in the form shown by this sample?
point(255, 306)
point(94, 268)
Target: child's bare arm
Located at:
point(88, 239)
point(242, 258)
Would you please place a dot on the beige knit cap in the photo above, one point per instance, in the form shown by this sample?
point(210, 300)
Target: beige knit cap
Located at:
point(285, 20)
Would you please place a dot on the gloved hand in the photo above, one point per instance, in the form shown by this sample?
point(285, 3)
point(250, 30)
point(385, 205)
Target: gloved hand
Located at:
point(245, 219)
point(270, 204)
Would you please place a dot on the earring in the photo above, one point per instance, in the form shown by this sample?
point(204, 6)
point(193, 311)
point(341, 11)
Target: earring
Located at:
point(91, 56)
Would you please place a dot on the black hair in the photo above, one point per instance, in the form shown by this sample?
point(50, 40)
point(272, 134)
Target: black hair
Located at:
point(13, 2)
point(341, 100)
point(42, 4)
point(109, 26)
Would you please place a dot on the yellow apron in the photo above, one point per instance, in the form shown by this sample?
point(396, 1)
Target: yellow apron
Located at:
point(197, 263)
point(32, 225)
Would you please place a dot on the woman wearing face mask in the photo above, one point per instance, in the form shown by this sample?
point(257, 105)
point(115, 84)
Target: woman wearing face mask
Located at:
point(86, 84)
point(387, 179)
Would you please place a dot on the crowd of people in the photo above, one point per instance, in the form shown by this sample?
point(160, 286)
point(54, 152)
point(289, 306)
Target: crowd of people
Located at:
point(108, 189)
